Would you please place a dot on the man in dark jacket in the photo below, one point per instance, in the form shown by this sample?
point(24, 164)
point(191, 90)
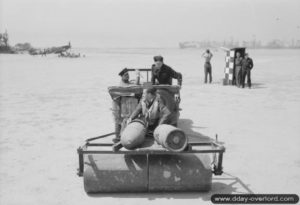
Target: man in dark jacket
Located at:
point(163, 74)
point(247, 65)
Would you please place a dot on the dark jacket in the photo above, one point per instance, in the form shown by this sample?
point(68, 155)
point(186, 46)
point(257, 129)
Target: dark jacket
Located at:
point(164, 75)
point(247, 64)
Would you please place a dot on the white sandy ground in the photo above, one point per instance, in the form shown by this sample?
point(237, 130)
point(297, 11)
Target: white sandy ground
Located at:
point(48, 106)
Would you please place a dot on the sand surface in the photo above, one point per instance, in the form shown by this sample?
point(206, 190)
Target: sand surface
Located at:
point(49, 106)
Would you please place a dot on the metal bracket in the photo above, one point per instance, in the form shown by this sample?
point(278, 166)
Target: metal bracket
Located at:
point(215, 148)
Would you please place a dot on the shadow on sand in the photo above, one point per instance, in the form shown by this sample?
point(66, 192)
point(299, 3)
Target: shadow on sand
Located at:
point(253, 86)
point(187, 125)
point(257, 86)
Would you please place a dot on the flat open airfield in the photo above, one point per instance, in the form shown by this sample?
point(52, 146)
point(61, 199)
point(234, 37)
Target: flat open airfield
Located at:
point(50, 105)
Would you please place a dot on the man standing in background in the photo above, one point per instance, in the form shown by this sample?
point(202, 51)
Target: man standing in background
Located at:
point(247, 65)
point(207, 65)
point(238, 69)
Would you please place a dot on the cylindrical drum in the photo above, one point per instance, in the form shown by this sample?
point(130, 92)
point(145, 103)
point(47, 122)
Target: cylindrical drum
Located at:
point(179, 172)
point(170, 137)
point(115, 173)
point(134, 134)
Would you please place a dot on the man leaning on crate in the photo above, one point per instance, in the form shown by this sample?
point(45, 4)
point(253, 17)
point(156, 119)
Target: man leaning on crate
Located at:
point(163, 74)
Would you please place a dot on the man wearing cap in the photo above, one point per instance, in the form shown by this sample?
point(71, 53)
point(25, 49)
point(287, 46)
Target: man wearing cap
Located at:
point(124, 78)
point(207, 66)
point(163, 74)
point(247, 65)
point(121, 112)
point(151, 110)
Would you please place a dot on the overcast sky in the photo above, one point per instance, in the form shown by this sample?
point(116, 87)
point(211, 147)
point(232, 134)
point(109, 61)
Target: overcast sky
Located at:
point(147, 23)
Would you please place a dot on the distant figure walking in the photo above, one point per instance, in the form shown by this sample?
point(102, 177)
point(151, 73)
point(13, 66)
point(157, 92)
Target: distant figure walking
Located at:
point(247, 65)
point(207, 65)
point(238, 69)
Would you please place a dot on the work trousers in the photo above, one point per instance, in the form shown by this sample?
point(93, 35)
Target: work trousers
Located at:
point(207, 71)
point(238, 75)
point(246, 73)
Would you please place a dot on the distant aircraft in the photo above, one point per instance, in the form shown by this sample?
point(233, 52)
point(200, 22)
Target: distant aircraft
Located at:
point(56, 50)
point(60, 49)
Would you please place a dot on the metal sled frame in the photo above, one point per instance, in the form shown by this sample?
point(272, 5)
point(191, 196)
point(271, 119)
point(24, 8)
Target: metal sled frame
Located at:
point(210, 147)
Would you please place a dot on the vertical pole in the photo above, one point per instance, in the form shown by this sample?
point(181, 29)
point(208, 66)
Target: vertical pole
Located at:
point(219, 168)
point(81, 163)
point(148, 170)
point(147, 76)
